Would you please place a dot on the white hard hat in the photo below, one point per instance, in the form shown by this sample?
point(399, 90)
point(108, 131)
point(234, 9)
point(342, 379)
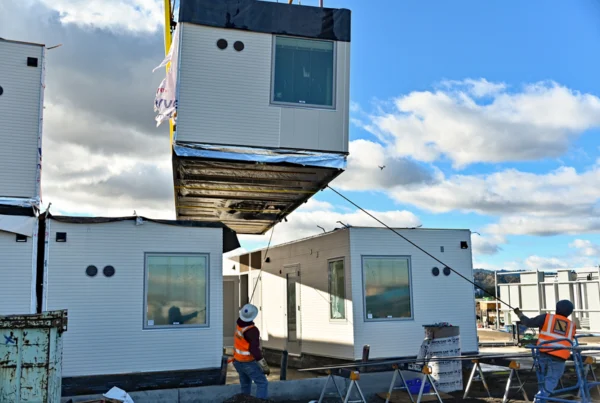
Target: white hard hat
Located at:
point(248, 313)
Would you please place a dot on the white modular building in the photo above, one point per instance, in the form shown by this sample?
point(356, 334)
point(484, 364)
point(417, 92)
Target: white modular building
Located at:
point(327, 296)
point(262, 108)
point(18, 260)
point(21, 116)
point(144, 299)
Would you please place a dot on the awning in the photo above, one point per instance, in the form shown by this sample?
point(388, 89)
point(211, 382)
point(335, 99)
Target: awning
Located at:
point(18, 224)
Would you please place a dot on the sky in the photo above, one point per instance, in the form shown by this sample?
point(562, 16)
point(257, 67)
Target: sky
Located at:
point(486, 116)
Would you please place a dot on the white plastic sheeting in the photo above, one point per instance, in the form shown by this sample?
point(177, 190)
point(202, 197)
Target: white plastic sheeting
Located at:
point(165, 102)
point(18, 224)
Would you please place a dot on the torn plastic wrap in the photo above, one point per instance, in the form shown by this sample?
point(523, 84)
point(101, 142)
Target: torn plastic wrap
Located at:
point(260, 155)
point(16, 206)
point(269, 17)
point(248, 189)
point(16, 224)
point(165, 101)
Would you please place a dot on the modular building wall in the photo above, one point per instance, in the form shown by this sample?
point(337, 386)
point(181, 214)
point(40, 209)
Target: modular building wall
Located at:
point(21, 110)
point(433, 299)
point(228, 91)
point(108, 331)
point(18, 259)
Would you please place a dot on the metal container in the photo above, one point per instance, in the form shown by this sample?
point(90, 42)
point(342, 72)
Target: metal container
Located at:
point(31, 357)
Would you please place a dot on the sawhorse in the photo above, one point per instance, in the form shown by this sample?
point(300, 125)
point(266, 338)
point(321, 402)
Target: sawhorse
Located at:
point(514, 374)
point(426, 376)
point(354, 377)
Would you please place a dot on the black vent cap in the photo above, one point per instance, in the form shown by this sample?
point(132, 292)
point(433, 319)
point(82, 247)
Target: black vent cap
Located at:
point(32, 61)
point(61, 237)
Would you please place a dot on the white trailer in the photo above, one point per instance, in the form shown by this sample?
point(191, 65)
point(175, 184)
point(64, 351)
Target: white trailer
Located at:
point(144, 297)
point(329, 295)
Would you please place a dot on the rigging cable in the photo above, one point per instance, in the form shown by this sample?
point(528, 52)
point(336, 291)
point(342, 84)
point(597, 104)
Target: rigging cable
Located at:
point(418, 247)
point(265, 259)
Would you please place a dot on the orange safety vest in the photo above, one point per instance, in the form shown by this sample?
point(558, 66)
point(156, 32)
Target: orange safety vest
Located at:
point(557, 327)
point(241, 347)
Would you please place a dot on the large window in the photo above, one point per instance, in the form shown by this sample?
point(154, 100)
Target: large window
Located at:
point(337, 290)
point(176, 290)
point(303, 72)
point(387, 288)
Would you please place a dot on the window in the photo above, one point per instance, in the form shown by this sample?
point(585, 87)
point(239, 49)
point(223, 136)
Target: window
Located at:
point(337, 290)
point(303, 72)
point(387, 288)
point(176, 290)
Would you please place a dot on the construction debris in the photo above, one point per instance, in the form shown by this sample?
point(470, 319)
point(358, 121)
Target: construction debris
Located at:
point(246, 399)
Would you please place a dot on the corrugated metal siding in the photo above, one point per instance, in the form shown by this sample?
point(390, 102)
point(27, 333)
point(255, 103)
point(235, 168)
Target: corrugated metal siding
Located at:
point(435, 299)
point(224, 94)
point(16, 275)
point(19, 125)
point(320, 335)
point(105, 314)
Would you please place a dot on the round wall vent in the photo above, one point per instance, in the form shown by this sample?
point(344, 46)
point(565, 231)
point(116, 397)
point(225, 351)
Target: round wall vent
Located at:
point(435, 271)
point(447, 271)
point(109, 271)
point(222, 44)
point(91, 271)
point(1, 91)
point(239, 46)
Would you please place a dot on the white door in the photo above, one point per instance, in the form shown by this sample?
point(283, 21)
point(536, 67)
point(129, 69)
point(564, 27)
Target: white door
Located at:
point(293, 314)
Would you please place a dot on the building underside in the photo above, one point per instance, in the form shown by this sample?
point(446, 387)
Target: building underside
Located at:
point(248, 190)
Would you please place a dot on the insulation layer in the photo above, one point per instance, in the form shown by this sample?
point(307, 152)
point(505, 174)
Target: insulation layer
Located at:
point(248, 191)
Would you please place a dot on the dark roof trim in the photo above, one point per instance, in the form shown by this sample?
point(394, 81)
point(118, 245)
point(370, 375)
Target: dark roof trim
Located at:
point(17, 210)
point(22, 42)
point(230, 239)
point(269, 17)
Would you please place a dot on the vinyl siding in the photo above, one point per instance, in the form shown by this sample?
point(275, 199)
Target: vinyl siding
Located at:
point(19, 119)
point(105, 333)
point(319, 335)
point(17, 274)
point(225, 95)
point(434, 299)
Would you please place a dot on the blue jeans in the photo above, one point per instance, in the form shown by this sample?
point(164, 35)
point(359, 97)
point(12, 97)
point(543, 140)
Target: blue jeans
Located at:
point(552, 370)
point(251, 372)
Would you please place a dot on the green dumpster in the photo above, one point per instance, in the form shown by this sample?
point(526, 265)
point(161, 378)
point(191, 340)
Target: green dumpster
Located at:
point(31, 357)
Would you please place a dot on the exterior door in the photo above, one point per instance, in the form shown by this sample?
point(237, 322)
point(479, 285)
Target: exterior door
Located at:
point(293, 315)
point(229, 312)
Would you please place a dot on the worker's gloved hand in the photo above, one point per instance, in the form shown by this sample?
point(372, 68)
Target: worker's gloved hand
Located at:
point(264, 366)
point(518, 312)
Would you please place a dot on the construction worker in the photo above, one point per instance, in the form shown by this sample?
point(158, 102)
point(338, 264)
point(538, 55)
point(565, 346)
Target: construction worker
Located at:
point(247, 355)
point(552, 327)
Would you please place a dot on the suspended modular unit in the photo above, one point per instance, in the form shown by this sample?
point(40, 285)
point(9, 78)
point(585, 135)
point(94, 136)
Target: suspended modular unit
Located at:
point(262, 108)
point(21, 109)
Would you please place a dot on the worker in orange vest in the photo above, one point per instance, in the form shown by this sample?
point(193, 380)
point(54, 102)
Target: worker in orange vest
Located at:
point(552, 327)
point(247, 355)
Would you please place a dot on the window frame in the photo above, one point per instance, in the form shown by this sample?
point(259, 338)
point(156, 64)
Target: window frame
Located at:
point(145, 296)
point(329, 261)
point(410, 287)
point(272, 100)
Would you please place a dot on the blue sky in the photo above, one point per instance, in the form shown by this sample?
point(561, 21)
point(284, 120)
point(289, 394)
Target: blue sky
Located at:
point(485, 113)
point(401, 47)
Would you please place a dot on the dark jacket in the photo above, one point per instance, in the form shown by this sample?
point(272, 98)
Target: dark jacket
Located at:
point(563, 308)
point(252, 336)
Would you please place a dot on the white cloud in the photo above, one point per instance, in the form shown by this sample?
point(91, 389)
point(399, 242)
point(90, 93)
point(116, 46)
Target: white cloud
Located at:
point(538, 122)
point(545, 263)
point(306, 222)
point(372, 167)
point(586, 248)
point(486, 245)
point(135, 16)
